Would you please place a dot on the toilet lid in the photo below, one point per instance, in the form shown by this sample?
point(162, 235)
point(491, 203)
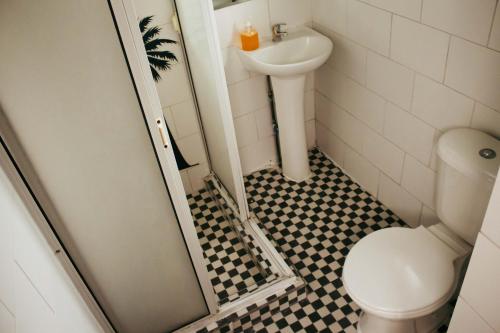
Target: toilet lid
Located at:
point(400, 273)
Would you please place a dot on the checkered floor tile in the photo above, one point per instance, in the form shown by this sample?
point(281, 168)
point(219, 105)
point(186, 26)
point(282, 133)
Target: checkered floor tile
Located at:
point(230, 267)
point(314, 224)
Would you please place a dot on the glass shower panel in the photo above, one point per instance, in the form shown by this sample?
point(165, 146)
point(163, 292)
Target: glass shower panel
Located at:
point(198, 32)
point(73, 122)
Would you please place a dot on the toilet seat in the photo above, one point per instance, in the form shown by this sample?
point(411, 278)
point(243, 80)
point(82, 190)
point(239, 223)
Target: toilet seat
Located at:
point(400, 273)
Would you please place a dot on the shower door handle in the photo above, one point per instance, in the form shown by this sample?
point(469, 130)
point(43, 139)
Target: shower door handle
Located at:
point(161, 129)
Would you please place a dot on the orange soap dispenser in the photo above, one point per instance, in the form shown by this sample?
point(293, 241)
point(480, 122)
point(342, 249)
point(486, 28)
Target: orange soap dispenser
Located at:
point(249, 38)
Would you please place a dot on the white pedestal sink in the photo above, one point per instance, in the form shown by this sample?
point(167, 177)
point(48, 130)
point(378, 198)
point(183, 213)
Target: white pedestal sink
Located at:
point(287, 62)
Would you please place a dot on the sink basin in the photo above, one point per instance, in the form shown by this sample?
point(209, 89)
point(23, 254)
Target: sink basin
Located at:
point(287, 62)
point(300, 52)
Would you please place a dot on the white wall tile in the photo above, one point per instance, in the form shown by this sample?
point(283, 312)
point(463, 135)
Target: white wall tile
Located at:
point(439, 105)
point(192, 148)
point(329, 83)
point(169, 118)
point(409, 133)
point(491, 225)
point(385, 155)
point(186, 182)
point(232, 19)
point(369, 26)
point(330, 144)
point(292, 12)
point(486, 119)
point(185, 118)
point(419, 180)
point(362, 103)
point(174, 86)
point(470, 19)
point(249, 95)
point(258, 156)
point(422, 48)
point(331, 14)
point(196, 176)
point(466, 320)
point(246, 130)
point(233, 68)
point(348, 57)
point(408, 8)
point(495, 31)
point(340, 122)
point(362, 170)
point(474, 71)
point(481, 289)
point(399, 201)
point(390, 80)
point(162, 10)
point(264, 122)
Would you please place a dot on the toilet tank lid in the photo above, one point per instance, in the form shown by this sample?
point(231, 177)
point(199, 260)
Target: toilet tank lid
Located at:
point(471, 152)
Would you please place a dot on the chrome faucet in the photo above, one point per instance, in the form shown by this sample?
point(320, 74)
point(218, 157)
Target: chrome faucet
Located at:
point(279, 31)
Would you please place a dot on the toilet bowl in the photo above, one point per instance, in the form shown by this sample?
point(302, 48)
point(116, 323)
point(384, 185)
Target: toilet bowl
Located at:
point(403, 278)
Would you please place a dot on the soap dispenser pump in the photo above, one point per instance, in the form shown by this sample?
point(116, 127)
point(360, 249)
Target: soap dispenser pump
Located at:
point(249, 38)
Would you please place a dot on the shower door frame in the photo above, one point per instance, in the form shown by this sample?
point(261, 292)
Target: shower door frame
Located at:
point(128, 29)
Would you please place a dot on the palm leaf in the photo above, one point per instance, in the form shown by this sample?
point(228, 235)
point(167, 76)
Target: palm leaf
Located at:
point(159, 60)
point(162, 55)
point(150, 33)
point(159, 63)
point(155, 43)
point(143, 24)
point(156, 75)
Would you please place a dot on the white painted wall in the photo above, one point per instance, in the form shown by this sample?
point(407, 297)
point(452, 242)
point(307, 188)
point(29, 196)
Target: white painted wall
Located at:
point(402, 73)
point(248, 91)
point(36, 295)
point(176, 98)
point(479, 301)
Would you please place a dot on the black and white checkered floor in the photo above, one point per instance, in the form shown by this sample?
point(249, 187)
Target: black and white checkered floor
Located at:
point(314, 224)
point(231, 268)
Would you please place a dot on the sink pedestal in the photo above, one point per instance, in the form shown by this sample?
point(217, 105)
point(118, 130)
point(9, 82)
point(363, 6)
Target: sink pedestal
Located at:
point(289, 100)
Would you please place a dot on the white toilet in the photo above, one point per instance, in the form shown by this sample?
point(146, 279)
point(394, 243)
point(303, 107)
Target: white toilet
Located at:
point(403, 278)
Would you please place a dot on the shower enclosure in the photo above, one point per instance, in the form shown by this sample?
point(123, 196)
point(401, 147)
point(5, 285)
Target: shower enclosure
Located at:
point(90, 153)
point(225, 184)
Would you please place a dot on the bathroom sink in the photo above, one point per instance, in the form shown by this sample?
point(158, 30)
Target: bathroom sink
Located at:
point(287, 62)
point(302, 51)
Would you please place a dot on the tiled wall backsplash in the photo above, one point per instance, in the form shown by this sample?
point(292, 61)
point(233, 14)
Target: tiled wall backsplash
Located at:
point(248, 91)
point(401, 73)
point(176, 98)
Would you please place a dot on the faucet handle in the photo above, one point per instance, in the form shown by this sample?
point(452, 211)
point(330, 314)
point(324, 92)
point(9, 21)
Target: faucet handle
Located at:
point(280, 28)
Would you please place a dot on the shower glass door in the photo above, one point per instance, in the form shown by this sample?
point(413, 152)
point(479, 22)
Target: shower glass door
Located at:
point(202, 49)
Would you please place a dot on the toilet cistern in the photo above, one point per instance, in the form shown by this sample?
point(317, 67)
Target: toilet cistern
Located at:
point(287, 62)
